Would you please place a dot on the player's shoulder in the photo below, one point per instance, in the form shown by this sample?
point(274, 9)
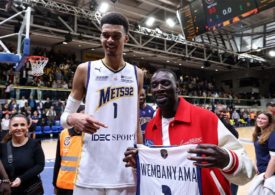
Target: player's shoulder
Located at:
point(135, 67)
point(84, 66)
point(139, 71)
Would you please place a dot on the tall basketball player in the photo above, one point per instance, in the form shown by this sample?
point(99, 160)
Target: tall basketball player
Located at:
point(110, 124)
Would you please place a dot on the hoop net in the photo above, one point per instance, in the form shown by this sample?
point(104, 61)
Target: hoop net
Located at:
point(38, 63)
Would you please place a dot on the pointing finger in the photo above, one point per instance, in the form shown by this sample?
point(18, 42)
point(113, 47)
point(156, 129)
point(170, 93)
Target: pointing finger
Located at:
point(96, 122)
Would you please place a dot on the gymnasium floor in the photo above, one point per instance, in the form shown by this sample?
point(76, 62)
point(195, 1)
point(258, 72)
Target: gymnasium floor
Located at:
point(49, 147)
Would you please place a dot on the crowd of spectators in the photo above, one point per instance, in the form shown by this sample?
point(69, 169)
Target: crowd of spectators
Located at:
point(48, 112)
point(42, 113)
point(60, 69)
point(238, 116)
point(59, 73)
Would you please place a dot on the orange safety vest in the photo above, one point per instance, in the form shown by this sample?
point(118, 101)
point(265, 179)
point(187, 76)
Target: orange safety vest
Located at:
point(252, 115)
point(70, 149)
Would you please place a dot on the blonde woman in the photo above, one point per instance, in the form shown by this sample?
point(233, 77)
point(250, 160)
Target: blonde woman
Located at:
point(264, 143)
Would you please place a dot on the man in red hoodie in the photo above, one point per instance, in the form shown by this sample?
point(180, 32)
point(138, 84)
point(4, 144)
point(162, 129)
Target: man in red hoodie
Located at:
point(220, 157)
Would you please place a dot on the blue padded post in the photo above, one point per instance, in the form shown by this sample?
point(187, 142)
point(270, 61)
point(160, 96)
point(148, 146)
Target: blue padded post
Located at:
point(21, 63)
point(26, 47)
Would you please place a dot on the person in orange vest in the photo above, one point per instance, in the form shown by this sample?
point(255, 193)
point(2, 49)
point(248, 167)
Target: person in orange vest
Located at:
point(252, 116)
point(66, 161)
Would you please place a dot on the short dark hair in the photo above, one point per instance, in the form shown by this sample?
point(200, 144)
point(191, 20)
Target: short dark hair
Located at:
point(169, 71)
point(115, 18)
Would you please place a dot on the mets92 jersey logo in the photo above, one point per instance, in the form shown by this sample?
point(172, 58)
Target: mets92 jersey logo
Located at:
point(109, 94)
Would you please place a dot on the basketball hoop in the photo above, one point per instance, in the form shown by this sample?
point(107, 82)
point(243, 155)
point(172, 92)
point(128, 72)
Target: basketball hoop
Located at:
point(38, 63)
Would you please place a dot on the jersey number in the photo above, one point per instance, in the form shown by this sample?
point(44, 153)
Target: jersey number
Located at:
point(115, 110)
point(166, 190)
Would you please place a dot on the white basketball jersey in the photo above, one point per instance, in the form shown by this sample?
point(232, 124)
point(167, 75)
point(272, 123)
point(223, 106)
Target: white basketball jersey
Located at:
point(112, 99)
point(166, 170)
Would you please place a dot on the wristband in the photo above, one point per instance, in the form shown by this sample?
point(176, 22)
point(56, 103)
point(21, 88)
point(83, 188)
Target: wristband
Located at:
point(71, 107)
point(63, 119)
point(230, 163)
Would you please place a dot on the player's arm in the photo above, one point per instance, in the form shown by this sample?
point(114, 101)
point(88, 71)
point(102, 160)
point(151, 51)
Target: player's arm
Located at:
point(75, 97)
point(140, 86)
point(69, 117)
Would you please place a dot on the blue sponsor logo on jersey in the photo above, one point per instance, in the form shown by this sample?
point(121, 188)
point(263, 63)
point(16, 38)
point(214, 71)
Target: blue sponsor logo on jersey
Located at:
point(113, 137)
point(101, 78)
point(126, 79)
point(111, 93)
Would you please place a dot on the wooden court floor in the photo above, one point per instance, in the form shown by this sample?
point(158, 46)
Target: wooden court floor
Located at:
point(49, 147)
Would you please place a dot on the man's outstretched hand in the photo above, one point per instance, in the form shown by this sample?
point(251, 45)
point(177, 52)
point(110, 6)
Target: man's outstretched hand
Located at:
point(209, 155)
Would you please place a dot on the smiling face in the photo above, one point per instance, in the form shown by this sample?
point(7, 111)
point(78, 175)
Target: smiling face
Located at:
point(221, 112)
point(164, 89)
point(18, 127)
point(113, 38)
point(262, 121)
